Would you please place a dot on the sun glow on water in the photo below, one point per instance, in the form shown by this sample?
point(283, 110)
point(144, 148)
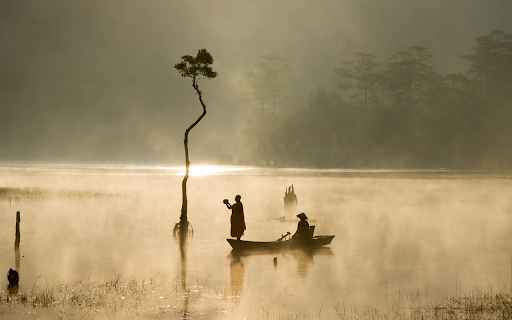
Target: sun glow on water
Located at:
point(204, 170)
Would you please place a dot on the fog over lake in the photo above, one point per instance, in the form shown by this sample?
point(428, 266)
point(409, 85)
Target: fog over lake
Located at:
point(370, 142)
point(399, 234)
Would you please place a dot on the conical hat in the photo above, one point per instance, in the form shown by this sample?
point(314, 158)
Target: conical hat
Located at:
point(302, 216)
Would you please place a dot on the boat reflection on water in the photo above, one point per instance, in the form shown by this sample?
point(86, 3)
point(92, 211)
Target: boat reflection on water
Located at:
point(236, 275)
point(303, 258)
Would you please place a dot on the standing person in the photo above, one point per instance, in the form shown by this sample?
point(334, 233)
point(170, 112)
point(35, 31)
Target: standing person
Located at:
point(237, 218)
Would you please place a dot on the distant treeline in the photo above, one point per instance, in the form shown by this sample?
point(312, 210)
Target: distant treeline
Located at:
point(399, 114)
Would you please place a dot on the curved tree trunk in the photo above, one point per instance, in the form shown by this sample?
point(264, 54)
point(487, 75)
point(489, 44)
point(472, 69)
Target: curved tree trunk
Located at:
point(184, 217)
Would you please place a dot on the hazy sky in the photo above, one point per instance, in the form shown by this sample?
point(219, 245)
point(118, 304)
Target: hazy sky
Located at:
point(93, 81)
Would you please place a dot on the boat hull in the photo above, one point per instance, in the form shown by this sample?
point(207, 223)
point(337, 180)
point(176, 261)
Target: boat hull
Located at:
point(314, 243)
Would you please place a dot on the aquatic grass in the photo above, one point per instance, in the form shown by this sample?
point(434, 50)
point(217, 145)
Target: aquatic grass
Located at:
point(118, 296)
point(112, 297)
point(171, 297)
point(47, 194)
point(490, 304)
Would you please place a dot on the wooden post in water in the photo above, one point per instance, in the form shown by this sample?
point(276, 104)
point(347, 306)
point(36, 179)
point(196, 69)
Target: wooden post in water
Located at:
point(13, 275)
point(17, 242)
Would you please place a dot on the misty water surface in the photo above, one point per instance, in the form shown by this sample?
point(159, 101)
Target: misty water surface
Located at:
point(398, 233)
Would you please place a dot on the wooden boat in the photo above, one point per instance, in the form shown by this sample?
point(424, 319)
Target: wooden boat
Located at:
point(281, 245)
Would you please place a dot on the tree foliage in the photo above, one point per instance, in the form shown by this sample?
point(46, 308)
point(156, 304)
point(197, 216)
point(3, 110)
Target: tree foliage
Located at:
point(196, 68)
point(491, 62)
point(404, 114)
point(365, 74)
point(268, 84)
point(257, 85)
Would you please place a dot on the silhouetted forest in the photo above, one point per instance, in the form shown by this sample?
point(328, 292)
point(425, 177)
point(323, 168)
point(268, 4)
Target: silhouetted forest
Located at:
point(395, 113)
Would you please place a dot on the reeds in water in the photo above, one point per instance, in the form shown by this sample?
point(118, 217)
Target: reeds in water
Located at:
point(47, 194)
point(117, 296)
point(161, 295)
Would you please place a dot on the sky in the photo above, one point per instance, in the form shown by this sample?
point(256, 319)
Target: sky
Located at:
point(94, 81)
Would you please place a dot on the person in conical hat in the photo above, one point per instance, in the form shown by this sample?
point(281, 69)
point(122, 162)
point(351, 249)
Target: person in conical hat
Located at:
point(302, 227)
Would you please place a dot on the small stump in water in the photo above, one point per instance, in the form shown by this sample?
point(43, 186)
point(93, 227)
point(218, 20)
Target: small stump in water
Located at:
point(13, 278)
point(290, 202)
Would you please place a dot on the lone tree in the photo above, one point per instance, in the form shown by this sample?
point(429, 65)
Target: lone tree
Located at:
point(196, 68)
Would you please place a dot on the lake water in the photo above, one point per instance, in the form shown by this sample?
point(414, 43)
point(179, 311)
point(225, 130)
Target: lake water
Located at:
point(400, 235)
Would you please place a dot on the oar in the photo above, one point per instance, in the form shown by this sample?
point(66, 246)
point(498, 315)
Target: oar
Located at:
point(287, 233)
point(304, 241)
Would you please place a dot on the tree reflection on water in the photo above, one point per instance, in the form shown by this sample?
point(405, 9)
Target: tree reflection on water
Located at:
point(186, 291)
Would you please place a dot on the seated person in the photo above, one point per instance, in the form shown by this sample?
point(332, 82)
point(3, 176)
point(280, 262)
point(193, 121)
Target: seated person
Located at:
point(302, 228)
